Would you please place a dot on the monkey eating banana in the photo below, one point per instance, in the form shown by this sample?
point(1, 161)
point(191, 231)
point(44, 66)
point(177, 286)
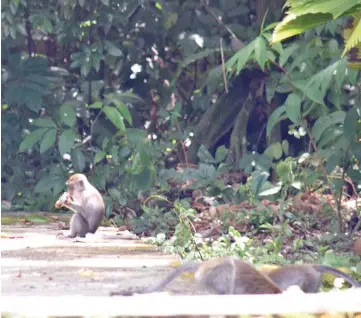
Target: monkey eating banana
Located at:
point(87, 204)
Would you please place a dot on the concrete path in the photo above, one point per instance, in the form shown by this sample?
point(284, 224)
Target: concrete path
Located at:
point(36, 263)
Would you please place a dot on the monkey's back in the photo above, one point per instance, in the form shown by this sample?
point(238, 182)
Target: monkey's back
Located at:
point(248, 280)
point(304, 276)
point(94, 208)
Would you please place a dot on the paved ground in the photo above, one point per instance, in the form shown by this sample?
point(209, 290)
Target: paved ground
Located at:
point(38, 264)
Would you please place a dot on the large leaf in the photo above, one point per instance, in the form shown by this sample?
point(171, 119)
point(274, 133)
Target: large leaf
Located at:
point(127, 97)
point(78, 159)
point(67, 115)
point(121, 107)
point(145, 179)
point(313, 92)
point(31, 139)
point(293, 25)
point(326, 122)
point(66, 141)
point(115, 117)
point(293, 107)
point(44, 122)
point(112, 49)
point(221, 154)
point(287, 52)
point(204, 155)
point(96, 105)
point(352, 37)
point(44, 185)
point(276, 116)
point(236, 63)
point(99, 156)
point(258, 180)
point(350, 124)
point(304, 15)
point(323, 78)
point(48, 140)
point(260, 51)
point(117, 196)
point(136, 138)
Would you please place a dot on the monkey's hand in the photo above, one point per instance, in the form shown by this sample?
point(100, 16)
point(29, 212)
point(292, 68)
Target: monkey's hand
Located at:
point(63, 200)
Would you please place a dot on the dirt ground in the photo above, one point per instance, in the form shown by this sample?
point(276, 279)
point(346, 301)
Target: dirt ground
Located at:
point(34, 262)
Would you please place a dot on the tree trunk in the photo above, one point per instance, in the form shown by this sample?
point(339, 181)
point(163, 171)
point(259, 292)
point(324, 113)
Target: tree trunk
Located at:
point(220, 117)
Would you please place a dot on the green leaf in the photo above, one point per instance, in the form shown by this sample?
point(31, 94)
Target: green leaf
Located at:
point(293, 25)
point(350, 124)
point(171, 20)
point(36, 219)
point(78, 159)
point(277, 150)
point(240, 58)
point(271, 191)
point(136, 138)
point(258, 180)
point(66, 141)
point(44, 122)
point(145, 179)
point(129, 97)
point(115, 117)
point(43, 185)
point(99, 156)
point(204, 155)
point(323, 78)
point(31, 139)
point(271, 83)
point(122, 108)
point(59, 185)
point(112, 49)
point(293, 107)
point(221, 154)
point(85, 68)
point(260, 51)
point(275, 117)
point(326, 122)
point(145, 158)
point(285, 146)
point(67, 115)
point(287, 52)
point(314, 93)
point(96, 105)
point(124, 152)
point(48, 140)
point(117, 196)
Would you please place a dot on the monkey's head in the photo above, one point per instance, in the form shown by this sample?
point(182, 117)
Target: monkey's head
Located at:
point(77, 182)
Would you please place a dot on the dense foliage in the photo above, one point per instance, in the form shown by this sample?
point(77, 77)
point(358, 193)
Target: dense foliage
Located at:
point(159, 102)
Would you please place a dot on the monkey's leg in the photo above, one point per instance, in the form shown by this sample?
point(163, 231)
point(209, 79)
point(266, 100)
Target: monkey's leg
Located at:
point(93, 218)
point(94, 221)
point(78, 226)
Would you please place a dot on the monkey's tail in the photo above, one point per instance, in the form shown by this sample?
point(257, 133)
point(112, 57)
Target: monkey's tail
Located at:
point(191, 267)
point(336, 272)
